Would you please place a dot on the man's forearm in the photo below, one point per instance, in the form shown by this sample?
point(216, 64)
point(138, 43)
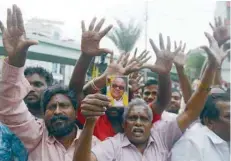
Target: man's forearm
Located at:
point(184, 83)
point(164, 93)
point(78, 76)
point(217, 79)
point(14, 113)
point(203, 68)
point(100, 82)
point(196, 102)
point(83, 146)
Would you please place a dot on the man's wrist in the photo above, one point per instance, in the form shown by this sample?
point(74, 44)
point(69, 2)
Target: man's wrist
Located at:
point(220, 43)
point(90, 121)
point(85, 55)
point(219, 68)
point(205, 87)
point(179, 66)
point(164, 76)
point(16, 62)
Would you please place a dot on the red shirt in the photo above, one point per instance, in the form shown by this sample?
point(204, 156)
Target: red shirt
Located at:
point(103, 127)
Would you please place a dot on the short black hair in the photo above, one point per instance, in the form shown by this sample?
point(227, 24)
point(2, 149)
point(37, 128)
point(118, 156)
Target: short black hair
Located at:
point(211, 111)
point(58, 89)
point(176, 90)
point(151, 82)
point(29, 71)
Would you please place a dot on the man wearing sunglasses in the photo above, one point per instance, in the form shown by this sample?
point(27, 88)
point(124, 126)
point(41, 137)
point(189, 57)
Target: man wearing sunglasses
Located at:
point(118, 92)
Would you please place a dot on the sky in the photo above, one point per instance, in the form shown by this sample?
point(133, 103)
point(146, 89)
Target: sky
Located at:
point(184, 20)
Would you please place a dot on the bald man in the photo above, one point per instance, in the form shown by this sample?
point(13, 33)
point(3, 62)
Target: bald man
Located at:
point(118, 92)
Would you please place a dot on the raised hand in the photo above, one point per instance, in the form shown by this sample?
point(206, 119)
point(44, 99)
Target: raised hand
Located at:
point(135, 82)
point(123, 66)
point(115, 67)
point(180, 58)
point(14, 37)
point(94, 105)
point(164, 56)
point(221, 31)
point(215, 54)
point(140, 61)
point(91, 38)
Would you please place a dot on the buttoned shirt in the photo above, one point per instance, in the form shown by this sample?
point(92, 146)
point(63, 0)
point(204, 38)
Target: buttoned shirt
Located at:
point(199, 143)
point(168, 116)
point(118, 103)
point(119, 148)
point(31, 131)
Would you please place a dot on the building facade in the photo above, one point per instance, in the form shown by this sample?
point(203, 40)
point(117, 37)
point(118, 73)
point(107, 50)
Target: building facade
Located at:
point(52, 53)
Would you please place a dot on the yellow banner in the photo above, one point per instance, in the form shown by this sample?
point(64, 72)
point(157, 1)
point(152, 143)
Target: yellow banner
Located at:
point(95, 71)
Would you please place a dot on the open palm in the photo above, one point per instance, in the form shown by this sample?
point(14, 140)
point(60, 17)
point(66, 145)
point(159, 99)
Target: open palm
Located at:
point(124, 65)
point(115, 67)
point(214, 52)
point(221, 31)
point(14, 39)
point(91, 38)
point(180, 58)
point(164, 56)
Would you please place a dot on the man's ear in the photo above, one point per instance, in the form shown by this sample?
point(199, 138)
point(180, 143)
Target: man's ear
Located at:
point(123, 125)
point(208, 122)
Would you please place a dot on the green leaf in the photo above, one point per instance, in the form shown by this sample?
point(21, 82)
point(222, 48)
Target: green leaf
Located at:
point(125, 36)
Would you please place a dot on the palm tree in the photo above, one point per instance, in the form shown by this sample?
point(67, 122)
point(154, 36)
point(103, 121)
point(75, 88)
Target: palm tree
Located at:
point(194, 64)
point(125, 36)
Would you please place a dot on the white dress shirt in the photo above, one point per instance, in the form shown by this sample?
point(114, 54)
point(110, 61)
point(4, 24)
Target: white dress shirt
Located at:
point(199, 143)
point(168, 116)
point(118, 103)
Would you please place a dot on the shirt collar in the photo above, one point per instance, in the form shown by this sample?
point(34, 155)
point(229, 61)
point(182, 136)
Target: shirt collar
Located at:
point(119, 99)
point(52, 139)
point(212, 136)
point(126, 142)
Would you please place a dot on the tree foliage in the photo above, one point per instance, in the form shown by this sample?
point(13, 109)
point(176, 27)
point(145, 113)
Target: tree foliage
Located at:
point(125, 36)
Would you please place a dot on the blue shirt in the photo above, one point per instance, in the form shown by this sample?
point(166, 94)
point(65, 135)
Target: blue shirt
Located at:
point(11, 148)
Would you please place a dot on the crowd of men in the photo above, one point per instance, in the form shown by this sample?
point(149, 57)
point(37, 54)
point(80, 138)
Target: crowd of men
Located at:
point(43, 121)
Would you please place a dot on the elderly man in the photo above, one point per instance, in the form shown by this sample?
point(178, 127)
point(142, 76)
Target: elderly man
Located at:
point(108, 125)
point(118, 93)
point(55, 137)
point(141, 140)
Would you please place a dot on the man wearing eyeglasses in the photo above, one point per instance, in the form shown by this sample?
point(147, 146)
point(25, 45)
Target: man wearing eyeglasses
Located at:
point(118, 92)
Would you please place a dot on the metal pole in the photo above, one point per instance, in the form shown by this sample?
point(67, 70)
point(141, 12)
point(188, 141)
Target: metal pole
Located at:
point(146, 24)
point(146, 35)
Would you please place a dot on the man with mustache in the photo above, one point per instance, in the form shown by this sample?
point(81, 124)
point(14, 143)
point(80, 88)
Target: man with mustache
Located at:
point(141, 139)
point(39, 79)
point(54, 137)
point(109, 125)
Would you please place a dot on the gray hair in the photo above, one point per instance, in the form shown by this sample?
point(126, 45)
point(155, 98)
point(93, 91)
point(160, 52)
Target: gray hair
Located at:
point(137, 102)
